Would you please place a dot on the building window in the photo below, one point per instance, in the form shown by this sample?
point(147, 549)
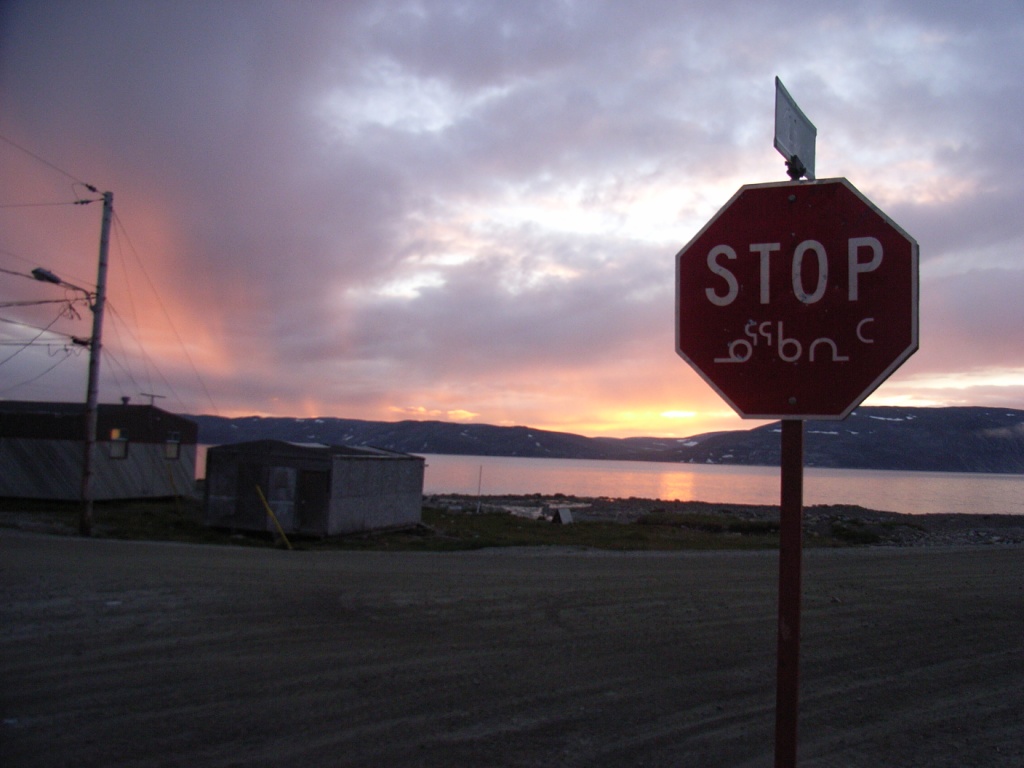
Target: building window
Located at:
point(119, 444)
point(172, 448)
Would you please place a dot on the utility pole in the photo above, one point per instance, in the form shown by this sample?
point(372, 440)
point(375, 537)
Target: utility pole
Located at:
point(95, 347)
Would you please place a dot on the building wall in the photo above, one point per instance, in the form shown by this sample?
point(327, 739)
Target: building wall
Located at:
point(233, 501)
point(372, 493)
point(280, 494)
point(312, 492)
point(52, 469)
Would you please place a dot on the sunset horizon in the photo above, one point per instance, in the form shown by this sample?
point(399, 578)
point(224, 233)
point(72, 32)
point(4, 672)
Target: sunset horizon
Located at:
point(385, 211)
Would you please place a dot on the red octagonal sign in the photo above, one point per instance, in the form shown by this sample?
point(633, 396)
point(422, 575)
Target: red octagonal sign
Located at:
point(797, 300)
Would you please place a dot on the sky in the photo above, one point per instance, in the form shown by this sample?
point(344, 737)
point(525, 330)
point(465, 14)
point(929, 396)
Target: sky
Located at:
point(469, 211)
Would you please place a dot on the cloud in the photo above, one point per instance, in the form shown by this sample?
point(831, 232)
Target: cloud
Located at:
point(469, 211)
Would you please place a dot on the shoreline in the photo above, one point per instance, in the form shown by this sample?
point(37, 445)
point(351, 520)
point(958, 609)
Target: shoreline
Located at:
point(823, 525)
point(888, 528)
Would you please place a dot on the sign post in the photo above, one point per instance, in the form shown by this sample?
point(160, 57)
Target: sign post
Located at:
point(796, 301)
point(795, 139)
point(791, 516)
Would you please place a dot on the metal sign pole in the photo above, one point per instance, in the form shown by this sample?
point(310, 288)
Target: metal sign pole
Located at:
point(790, 571)
point(795, 138)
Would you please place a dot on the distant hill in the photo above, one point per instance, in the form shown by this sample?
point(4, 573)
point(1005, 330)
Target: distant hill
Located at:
point(921, 439)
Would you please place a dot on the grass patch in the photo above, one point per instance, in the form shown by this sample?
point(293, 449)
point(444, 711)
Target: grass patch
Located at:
point(440, 531)
point(710, 522)
point(140, 520)
point(854, 532)
point(458, 531)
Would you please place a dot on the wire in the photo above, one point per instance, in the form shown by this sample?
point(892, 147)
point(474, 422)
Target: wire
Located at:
point(13, 255)
point(34, 339)
point(163, 308)
point(118, 325)
point(163, 379)
point(45, 205)
point(47, 163)
point(49, 346)
point(131, 306)
point(29, 276)
point(12, 272)
point(68, 354)
point(149, 365)
point(120, 231)
point(110, 357)
point(35, 327)
point(37, 302)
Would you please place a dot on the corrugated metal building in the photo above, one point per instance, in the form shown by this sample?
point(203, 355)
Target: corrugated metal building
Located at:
point(141, 452)
point(317, 490)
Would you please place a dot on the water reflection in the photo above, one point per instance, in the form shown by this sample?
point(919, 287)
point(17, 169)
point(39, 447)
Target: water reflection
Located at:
point(911, 492)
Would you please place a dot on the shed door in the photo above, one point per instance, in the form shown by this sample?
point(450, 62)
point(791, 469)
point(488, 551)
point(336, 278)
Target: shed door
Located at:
point(314, 494)
point(249, 508)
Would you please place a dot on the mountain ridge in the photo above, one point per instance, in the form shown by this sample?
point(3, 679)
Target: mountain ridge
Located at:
point(950, 439)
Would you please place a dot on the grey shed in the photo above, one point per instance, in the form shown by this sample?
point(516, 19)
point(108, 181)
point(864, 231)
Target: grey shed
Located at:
point(312, 489)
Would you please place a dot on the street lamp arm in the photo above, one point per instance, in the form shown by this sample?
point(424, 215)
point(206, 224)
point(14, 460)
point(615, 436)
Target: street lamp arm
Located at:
point(46, 276)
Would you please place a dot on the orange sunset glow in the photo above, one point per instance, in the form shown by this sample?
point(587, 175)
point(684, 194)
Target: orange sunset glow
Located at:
point(367, 212)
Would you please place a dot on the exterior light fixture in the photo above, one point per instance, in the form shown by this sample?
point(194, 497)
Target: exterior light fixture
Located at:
point(45, 276)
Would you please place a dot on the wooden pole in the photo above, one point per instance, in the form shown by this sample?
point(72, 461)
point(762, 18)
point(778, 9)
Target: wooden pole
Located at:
point(92, 388)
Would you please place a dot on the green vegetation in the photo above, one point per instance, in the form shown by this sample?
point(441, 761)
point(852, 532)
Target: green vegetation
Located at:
point(710, 522)
point(854, 532)
point(156, 520)
point(441, 530)
point(455, 531)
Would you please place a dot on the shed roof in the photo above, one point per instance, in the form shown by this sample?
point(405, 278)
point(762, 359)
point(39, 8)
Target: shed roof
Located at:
point(66, 421)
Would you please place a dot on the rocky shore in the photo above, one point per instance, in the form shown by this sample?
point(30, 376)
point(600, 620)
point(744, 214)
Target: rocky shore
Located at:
point(823, 524)
point(853, 523)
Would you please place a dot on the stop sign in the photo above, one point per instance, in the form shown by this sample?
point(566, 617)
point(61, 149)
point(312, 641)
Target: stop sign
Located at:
point(797, 300)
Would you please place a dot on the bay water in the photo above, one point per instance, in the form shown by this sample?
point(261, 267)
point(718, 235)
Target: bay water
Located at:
point(907, 492)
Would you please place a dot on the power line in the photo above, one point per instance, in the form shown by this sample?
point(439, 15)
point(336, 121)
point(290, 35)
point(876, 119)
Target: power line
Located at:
point(120, 229)
point(36, 327)
point(40, 274)
point(117, 380)
point(163, 308)
point(46, 205)
point(28, 275)
point(49, 346)
point(34, 338)
point(118, 323)
point(146, 363)
point(12, 272)
point(47, 163)
point(35, 302)
point(68, 353)
point(13, 255)
point(146, 359)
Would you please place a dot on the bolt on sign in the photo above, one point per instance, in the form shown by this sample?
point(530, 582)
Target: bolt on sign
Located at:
point(797, 300)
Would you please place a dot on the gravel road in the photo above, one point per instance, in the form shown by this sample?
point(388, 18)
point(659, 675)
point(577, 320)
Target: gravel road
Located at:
point(150, 654)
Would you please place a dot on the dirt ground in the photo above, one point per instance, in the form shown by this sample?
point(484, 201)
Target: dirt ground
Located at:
point(154, 654)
